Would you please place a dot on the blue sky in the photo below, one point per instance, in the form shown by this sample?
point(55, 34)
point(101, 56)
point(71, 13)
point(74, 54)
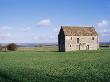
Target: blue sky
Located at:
point(39, 21)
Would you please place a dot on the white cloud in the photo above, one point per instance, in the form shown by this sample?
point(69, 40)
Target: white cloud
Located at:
point(105, 34)
point(102, 28)
point(105, 30)
point(56, 30)
point(5, 33)
point(26, 29)
point(103, 23)
point(35, 37)
point(5, 28)
point(5, 36)
point(45, 38)
point(44, 22)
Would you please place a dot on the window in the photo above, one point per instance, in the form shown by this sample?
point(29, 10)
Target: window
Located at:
point(92, 38)
point(77, 40)
point(71, 38)
point(70, 45)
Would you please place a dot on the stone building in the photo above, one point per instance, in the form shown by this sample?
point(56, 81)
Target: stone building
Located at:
point(72, 38)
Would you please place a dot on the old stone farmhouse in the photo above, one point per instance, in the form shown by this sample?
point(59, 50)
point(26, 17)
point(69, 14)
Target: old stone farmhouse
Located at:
point(77, 38)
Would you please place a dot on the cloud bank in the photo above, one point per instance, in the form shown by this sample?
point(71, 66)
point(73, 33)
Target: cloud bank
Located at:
point(44, 23)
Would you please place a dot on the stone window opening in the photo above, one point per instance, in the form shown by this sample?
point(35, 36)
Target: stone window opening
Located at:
point(70, 45)
point(92, 38)
point(77, 40)
point(71, 38)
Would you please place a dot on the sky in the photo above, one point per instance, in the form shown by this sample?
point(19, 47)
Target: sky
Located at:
point(39, 21)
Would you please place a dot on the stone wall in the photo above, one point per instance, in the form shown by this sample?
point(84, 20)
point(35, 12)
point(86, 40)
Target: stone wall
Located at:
point(61, 42)
point(85, 43)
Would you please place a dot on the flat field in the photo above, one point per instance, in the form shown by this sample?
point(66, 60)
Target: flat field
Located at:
point(49, 65)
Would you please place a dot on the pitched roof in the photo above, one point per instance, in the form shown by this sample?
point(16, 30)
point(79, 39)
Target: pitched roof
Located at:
point(79, 31)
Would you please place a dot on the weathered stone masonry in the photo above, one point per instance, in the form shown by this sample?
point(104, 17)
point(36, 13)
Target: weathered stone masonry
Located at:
point(77, 38)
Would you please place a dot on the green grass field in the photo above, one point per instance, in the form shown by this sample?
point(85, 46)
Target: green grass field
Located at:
point(52, 66)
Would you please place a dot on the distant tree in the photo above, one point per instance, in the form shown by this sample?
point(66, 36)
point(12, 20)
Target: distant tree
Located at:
point(12, 47)
point(0, 47)
point(40, 45)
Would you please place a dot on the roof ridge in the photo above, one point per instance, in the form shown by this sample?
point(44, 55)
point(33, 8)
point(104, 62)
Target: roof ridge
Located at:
point(77, 26)
point(79, 31)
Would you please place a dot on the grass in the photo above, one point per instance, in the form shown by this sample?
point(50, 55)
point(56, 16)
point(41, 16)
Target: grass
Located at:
point(52, 66)
point(41, 49)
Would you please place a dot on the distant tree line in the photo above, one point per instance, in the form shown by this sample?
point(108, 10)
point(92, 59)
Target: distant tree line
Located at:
point(9, 47)
point(104, 44)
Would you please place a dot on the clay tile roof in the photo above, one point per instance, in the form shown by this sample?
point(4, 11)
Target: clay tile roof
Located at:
point(79, 31)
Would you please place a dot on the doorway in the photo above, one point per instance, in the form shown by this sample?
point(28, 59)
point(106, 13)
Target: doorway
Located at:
point(87, 47)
